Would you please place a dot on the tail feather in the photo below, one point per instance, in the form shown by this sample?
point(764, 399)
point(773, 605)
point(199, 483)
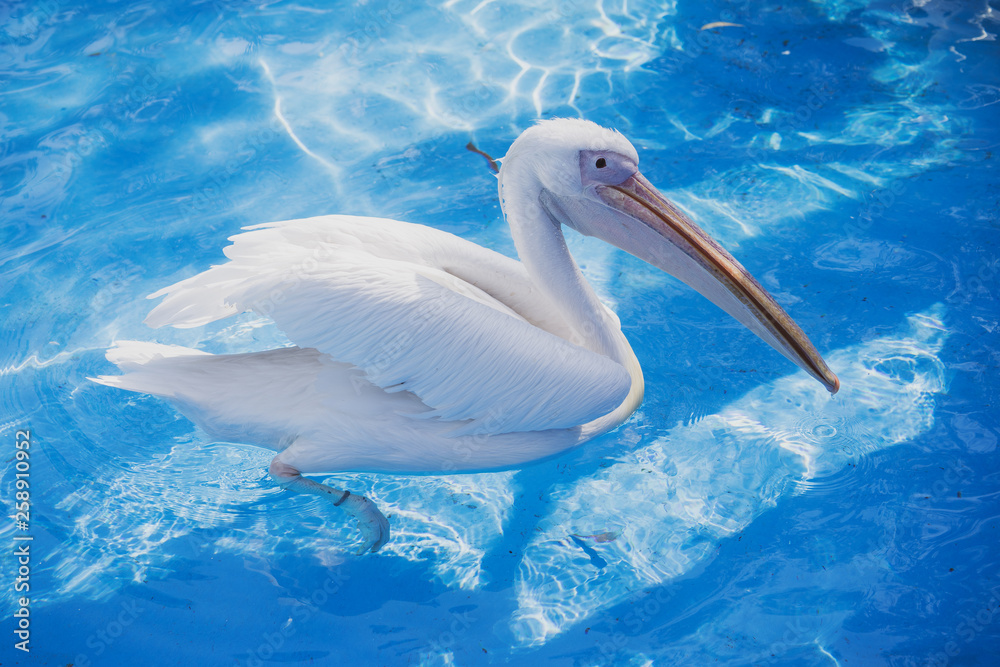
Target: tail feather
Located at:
point(143, 373)
point(261, 398)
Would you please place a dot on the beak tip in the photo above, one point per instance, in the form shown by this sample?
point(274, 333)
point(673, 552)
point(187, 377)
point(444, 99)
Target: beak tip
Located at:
point(833, 386)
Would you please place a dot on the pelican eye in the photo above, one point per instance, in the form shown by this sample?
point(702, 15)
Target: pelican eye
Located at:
point(604, 168)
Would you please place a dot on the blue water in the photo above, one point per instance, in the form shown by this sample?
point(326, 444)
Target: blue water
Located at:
point(843, 151)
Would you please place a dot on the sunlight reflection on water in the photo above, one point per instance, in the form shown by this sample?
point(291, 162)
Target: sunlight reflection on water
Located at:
point(674, 499)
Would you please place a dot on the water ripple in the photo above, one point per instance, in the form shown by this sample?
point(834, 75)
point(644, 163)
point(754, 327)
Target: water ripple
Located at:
point(674, 499)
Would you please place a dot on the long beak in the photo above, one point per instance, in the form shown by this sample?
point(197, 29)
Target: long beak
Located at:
point(697, 259)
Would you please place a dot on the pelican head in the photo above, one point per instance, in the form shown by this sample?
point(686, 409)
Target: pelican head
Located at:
point(579, 174)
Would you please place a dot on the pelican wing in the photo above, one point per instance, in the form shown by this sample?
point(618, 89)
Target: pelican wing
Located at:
point(417, 310)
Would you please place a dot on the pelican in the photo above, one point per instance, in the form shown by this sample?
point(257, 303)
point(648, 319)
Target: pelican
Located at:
point(418, 352)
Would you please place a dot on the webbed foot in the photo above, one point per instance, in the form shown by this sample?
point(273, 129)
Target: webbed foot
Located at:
point(372, 523)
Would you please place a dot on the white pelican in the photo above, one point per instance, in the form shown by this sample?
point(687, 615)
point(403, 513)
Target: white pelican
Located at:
point(420, 352)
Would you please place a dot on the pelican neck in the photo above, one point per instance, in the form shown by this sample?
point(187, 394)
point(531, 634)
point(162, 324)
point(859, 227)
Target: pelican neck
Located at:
point(541, 247)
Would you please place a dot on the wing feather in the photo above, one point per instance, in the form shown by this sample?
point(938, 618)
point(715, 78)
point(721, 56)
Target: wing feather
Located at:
point(396, 300)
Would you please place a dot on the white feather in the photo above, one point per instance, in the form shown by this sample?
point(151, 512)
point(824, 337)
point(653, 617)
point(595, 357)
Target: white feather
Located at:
point(321, 414)
point(341, 285)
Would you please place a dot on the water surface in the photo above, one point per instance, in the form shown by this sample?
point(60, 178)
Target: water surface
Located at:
point(843, 151)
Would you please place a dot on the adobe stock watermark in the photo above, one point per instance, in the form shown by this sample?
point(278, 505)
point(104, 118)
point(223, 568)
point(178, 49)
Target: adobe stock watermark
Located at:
point(461, 114)
point(142, 88)
point(880, 549)
point(27, 26)
point(704, 39)
point(22, 541)
point(113, 282)
point(375, 25)
point(953, 476)
point(458, 627)
point(101, 640)
point(981, 283)
point(206, 197)
point(645, 606)
point(271, 642)
point(875, 204)
point(971, 626)
point(802, 630)
point(465, 448)
point(820, 92)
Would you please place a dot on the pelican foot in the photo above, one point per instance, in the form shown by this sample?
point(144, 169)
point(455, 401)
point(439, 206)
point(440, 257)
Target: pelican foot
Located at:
point(372, 523)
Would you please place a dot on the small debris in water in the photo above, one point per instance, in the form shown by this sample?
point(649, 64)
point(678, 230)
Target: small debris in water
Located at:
point(600, 538)
point(493, 163)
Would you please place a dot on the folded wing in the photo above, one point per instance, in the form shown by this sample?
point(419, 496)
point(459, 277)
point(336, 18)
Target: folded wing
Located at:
point(417, 310)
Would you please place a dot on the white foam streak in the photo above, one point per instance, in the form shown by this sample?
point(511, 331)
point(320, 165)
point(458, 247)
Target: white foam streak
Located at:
point(808, 177)
point(423, 81)
point(288, 128)
point(449, 522)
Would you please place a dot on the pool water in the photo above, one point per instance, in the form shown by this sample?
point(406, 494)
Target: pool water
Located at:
point(844, 151)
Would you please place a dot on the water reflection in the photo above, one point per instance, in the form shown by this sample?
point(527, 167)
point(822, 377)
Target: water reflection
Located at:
point(674, 499)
